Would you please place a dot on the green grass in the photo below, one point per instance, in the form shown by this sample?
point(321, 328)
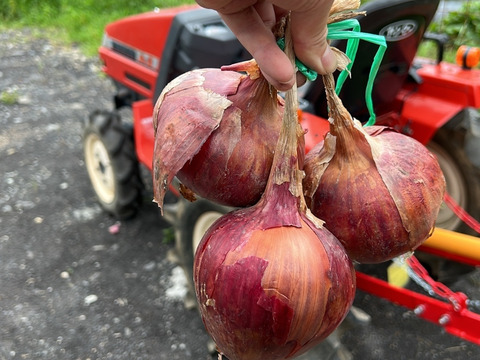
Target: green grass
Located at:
point(9, 97)
point(461, 26)
point(78, 22)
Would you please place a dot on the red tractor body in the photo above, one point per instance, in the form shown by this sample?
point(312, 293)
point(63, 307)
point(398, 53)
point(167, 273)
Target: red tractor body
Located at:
point(446, 89)
point(132, 49)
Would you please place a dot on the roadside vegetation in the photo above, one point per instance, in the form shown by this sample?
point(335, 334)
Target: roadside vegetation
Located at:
point(76, 22)
point(462, 28)
point(82, 22)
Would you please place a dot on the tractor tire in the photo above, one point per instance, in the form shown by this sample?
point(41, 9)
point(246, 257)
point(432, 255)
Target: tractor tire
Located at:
point(112, 164)
point(464, 187)
point(194, 219)
point(462, 182)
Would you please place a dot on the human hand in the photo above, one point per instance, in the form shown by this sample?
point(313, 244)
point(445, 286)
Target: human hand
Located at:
point(252, 21)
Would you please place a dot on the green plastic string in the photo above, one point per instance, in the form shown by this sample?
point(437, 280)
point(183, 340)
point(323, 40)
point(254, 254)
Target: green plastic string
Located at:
point(310, 74)
point(350, 30)
point(352, 46)
point(337, 31)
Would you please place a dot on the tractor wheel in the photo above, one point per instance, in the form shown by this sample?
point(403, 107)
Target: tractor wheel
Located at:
point(463, 186)
point(112, 165)
point(194, 220)
point(462, 183)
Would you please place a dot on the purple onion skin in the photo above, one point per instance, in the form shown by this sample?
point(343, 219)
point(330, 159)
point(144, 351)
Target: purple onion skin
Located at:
point(217, 131)
point(379, 206)
point(233, 164)
point(269, 291)
point(184, 116)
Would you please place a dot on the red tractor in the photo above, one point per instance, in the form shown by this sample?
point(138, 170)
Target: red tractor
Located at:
point(435, 102)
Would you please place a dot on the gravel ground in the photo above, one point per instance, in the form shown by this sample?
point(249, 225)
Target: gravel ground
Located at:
point(71, 288)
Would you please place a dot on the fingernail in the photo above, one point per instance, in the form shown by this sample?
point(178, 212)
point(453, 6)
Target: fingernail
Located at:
point(285, 85)
point(329, 60)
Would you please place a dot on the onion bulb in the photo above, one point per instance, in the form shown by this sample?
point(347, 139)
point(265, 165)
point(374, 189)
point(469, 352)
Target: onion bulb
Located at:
point(271, 280)
point(377, 190)
point(216, 131)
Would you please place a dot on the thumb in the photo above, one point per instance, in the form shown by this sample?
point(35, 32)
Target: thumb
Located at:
point(309, 33)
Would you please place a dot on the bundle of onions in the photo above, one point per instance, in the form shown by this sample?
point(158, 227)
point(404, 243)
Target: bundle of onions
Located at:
point(216, 131)
point(270, 280)
point(377, 190)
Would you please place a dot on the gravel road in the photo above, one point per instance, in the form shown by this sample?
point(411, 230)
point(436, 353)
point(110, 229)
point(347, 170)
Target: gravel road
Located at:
point(73, 288)
point(70, 289)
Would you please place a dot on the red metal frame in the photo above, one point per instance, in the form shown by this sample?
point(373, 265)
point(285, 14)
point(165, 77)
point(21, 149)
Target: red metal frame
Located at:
point(460, 321)
point(143, 131)
point(445, 90)
point(452, 312)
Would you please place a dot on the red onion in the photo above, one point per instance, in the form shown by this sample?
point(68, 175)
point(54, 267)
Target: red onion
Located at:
point(270, 280)
point(377, 190)
point(216, 130)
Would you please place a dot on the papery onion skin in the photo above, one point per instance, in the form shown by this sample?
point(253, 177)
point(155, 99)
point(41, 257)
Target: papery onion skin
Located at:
point(216, 130)
point(267, 291)
point(380, 197)
point(232, 166)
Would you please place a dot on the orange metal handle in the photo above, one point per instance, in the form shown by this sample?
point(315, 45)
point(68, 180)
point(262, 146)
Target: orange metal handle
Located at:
point(446, 241)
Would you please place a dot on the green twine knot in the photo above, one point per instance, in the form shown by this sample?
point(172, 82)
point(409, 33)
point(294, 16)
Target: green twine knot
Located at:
point(350, 30)
point(310, 74)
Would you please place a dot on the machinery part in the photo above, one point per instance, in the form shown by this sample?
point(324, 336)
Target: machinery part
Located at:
point(463, 186)
point(462, 183)
point(197, 39)
point(455, 319)
point(112, 164)
point(193, 221)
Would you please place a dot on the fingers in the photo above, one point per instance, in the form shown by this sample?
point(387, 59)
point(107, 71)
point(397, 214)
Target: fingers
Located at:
point(257, 37)
point(309, 32)
point(313, 50)
point(252, 21)
point(226, 6)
